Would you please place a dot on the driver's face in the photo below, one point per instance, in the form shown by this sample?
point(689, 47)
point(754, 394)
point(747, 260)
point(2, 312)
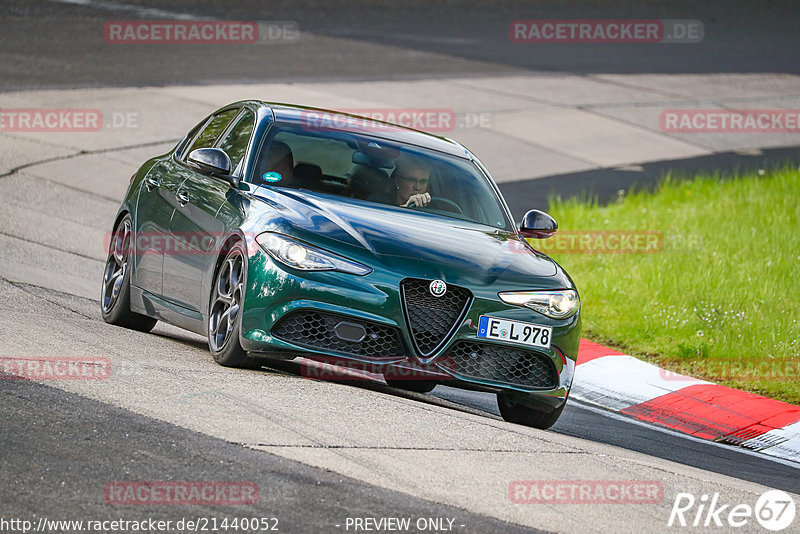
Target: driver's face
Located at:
point(412, 181)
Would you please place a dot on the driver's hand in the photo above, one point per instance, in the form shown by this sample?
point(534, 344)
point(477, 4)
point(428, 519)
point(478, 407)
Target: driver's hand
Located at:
point(419, 200)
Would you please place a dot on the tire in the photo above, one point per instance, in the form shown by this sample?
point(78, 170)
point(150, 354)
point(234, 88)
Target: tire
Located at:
point(115, 297)
point(417, 386)
point(224, 317)
point(525, 415)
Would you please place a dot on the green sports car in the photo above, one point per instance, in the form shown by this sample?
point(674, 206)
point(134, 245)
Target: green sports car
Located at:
point(282, 231)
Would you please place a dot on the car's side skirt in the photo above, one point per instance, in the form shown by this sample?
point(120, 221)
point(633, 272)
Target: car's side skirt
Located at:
point(163, 310)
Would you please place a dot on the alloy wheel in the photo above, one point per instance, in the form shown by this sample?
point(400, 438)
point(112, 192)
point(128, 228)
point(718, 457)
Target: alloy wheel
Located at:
point(226, 300)
point(116, 265)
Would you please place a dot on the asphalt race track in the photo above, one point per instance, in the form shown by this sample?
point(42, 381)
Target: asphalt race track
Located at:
point(405, 40)
point(321, 453)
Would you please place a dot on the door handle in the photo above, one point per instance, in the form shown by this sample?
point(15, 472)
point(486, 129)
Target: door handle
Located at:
point(151, 183)
point(183, 197)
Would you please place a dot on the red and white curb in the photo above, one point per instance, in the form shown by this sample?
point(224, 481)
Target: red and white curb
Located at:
point(624, 384)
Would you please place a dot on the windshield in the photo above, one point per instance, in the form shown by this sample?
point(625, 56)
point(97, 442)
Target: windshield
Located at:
point(376, 170)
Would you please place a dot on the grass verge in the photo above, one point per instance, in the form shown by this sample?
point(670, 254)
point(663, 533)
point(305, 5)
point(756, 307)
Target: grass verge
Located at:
point(709, 288)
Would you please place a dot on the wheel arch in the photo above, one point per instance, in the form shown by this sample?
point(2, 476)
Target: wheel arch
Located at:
point(232, 239)
point(121, 215)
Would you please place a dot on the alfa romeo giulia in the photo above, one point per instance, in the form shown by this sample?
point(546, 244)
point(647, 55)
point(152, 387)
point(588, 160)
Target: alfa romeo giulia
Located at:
point(282, 231)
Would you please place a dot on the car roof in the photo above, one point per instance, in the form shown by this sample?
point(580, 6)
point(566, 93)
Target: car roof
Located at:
point(341, 121)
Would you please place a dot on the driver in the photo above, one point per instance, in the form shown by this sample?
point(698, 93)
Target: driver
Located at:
point(410, 180)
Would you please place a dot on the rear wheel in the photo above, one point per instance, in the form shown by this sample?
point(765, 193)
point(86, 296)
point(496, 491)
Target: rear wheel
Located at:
point(418, 386)
point(521, 414)
point(115, 299)
point(224, 317)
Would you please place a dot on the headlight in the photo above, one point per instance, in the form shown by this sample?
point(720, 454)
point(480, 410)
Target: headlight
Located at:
point(556, 304)
point(305, 257)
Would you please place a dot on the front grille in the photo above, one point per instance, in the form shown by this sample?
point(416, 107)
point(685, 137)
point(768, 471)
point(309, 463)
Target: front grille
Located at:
point(315, 330)
point(499, 363)
point(432, 320)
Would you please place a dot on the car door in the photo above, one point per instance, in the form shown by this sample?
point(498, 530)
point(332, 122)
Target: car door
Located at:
point(196, 230)
point(154, 209)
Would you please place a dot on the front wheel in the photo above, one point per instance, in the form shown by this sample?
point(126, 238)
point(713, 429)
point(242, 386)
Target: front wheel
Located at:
point(224, 317)
point(521, 414)
point(115, 299)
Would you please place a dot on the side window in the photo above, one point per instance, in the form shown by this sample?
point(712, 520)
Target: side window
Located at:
point(235, 143)
point(213, 130)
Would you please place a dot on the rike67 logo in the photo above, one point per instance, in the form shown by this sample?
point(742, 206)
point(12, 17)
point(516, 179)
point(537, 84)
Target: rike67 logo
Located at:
point(774, 510)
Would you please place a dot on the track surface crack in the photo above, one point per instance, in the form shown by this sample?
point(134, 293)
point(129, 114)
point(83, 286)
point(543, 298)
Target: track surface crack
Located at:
point(18, 168)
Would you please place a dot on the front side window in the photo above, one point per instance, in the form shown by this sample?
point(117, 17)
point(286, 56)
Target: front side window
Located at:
point(213, 130)
point(235, 143)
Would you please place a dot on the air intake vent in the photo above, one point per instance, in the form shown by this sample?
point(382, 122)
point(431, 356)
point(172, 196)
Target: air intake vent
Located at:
point(432, 320)
point(499, 363)
point(324, 332)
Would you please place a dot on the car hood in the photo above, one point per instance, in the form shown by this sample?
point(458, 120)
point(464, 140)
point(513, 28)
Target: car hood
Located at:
point(412, 242)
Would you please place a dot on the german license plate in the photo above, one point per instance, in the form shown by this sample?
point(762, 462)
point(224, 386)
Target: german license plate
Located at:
point(532, 335)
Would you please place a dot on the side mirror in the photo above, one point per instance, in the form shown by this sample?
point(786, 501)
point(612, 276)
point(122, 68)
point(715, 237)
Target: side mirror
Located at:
point(538, 225)
point(215, 162)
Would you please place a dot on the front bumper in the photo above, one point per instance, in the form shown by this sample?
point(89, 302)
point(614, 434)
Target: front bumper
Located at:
point(287, 311)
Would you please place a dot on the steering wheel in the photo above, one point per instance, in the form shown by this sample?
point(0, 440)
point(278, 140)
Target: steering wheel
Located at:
point(446, 201)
